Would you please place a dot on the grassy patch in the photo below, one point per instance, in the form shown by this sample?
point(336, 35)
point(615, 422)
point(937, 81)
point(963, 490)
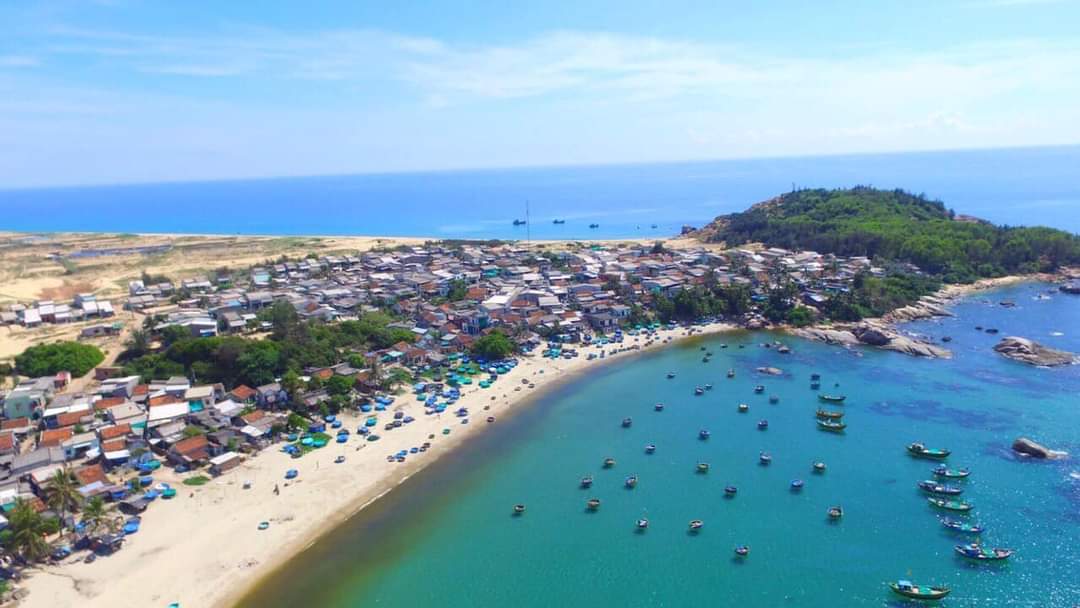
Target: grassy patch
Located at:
point(198, 480)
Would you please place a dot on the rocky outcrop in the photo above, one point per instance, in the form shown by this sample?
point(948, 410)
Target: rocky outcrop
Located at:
point(925, 308)
point(1027, 447)
point(1032, 353)
point(874, 335)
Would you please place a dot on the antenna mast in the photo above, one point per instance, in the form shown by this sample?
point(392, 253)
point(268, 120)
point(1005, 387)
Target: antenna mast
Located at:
point(528, 225)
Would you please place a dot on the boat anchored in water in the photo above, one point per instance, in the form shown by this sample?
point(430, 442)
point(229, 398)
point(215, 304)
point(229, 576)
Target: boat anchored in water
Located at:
point(819, 467)
point(631, 481)
point(764, 458)
point(976, 552)
point(932, 487)
point(696, 524)
point(626, 422)
point(832, 398)
point(592, 504)
point(919, 450)
point(609, 462)
point(742, 550)
point(659, 407)
point(833, 426)
point(835, 512)
point(702, 467)
point(950, 504)
point(762, 424)
point(919, 592)
point(743, 408)
point(650, 448)
point(731, 491)
point(962, 526)
point(519, 509)
point(704, 434)
point(944, 471)
point(699, 391)
point(586, 482)
point(642, 524)
point(730, 373)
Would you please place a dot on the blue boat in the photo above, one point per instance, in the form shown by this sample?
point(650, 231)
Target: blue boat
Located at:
point(291, 474)
point(342, 438)
point(131, 526)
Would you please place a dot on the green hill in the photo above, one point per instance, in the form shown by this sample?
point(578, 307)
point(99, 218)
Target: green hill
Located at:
point(893, 225)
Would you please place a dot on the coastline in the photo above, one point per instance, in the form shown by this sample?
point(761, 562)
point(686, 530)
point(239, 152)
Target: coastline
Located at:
point(189, 532)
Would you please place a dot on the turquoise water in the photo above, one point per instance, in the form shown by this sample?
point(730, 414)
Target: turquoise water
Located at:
point(447, 537)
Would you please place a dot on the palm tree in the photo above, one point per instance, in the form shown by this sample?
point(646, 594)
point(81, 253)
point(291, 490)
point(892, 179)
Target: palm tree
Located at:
point(28, 530)
point(138, 343)
point(62, 494)
point(93, 514)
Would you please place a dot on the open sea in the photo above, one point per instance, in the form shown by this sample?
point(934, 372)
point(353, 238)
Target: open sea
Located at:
point(446, 537)
point(1008, 186)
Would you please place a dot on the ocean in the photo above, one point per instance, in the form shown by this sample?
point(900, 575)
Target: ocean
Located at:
point(447, 537)
point(1008, 186)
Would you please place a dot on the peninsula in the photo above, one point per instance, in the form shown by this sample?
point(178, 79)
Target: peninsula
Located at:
point(195, 389)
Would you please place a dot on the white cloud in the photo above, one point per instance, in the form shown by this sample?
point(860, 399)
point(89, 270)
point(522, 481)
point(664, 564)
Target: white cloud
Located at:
point(18, 61)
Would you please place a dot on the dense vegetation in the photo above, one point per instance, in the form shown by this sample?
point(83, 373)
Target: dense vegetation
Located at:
point(702, 301)
point(892, 225)
point(293, 345)
point(493, 346)
point(48, 359)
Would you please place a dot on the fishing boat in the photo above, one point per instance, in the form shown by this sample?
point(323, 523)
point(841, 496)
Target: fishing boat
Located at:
point(815, 386)
point(670, 375)
point(609, 462)
point(762, 424)
point(815, 377)
point(921, 451)
point(696, 524)
point(975, 551)
point(774, 399)
point(631, 481)
point(759, 388)
point(819, 467)
point(263, 525)
point(650, 448)
point(626, 422)
point(764, 458)
point(730, 491)
point(703, 434)
point(835, 512)
point(699, 391)
point(950, 504)
point(832, 398)
point(944, 471)
point(730, 373)
point(642, 523)
point(594, 226)
point(520, 222)
point(962, 526)
point(796, 485)
point(291, 474)
point(932, 487)
point(742, 550)
point(519, 509)
point(339, 460)
point(708, 387)
point(558, 221)
point(593, 504)
point(743, 408)
point(659, 407)
point(586, 482)
point(918, 592)
point(831, 426)
point(702, 467)
point(829, 414)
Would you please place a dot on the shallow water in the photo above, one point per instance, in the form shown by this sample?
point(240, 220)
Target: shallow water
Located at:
point(447, 537)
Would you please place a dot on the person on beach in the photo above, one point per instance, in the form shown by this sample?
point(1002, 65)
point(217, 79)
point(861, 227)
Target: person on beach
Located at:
point(277, 491)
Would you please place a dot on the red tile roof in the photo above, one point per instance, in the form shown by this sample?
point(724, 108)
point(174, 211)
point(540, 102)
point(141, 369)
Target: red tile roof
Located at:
point(243, 392)
point(54, 437)
point(107, 402)
point(253, 416)
point(70, 418)
point(112, 432)
point(191, 445)
point(7, 441)
point(114, 446)
point(163, 400)
point(15, 423)
point(89, 474)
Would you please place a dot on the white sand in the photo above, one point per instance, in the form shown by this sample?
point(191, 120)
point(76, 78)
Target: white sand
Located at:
point(203, 548)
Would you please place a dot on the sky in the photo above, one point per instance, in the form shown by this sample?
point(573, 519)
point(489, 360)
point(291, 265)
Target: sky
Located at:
point(119, 91)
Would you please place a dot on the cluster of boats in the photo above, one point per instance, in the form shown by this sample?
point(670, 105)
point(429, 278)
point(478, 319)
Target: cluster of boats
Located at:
point(943, 493)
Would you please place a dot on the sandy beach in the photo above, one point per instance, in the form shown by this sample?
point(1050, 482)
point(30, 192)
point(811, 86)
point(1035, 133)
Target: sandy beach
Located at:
point(204, 547)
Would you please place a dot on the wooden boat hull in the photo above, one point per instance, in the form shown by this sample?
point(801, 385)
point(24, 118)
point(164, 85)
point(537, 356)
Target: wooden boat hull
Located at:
point(929, 453)
point(919, 593)
point(950, 505)
point(832, 398)
point(829, 415)
point(832, 428)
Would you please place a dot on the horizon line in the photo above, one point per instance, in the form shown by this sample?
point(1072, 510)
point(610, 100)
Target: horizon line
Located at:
point(524, 167)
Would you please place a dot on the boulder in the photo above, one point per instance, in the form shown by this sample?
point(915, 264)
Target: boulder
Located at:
point(1027, 447)
point(869, 334)
point(1032, 353)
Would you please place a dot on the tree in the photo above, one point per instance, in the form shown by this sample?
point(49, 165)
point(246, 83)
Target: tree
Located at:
point(93, 514)
point(192, 431)
point(62, 494)
point(339, 385)
point(26, 532)
point(800, 316)
point(493, 346)
point(138, 344)
point(49, 359)
point(397, 377)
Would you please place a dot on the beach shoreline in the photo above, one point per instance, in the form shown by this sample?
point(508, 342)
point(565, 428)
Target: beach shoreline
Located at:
point(188, 531)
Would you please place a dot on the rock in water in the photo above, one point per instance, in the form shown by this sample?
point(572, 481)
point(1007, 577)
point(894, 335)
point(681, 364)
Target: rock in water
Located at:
point(1027, 447)
point(1032, 353)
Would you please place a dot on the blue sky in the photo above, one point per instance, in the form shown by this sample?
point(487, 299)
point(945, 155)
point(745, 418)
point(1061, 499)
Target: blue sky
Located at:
point(111, 91)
